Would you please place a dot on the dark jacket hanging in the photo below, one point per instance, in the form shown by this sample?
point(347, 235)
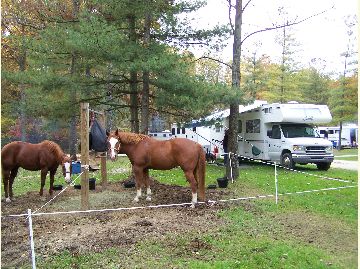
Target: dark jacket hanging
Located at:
point(97, 137)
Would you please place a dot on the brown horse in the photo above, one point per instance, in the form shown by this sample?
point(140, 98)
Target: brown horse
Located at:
point(45, 156)
point(147, 153)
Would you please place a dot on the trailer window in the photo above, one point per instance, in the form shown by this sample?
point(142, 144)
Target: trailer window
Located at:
point(239, 126)
point(253, 126)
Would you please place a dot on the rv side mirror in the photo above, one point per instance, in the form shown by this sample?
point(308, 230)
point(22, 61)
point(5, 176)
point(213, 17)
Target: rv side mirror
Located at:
point(269, 133)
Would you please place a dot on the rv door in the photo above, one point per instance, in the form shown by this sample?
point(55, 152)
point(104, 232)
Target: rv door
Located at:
point(275, 144)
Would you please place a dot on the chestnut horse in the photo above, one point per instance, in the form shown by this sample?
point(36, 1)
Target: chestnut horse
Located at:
point(147, 153)
point(45, 156)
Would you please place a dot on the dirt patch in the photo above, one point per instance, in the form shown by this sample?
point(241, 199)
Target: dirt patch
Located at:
point(80, 233)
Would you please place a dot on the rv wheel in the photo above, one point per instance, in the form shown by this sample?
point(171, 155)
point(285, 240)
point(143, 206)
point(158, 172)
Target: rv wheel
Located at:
point(323, 166)
point(287, 161)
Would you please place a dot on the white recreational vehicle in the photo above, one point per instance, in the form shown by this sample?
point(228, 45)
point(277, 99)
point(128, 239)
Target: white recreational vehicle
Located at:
point(349, 135)
point(210, 137)
point(284, 133)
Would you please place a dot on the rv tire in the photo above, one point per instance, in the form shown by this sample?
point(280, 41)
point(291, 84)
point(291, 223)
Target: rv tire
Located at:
point(323, 166)
point(287, 160)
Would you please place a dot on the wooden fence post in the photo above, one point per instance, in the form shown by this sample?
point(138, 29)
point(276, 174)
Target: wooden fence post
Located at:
point(84, 112)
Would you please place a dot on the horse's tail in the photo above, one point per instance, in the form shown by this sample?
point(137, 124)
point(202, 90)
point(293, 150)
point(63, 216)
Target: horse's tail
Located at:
point(200, 174)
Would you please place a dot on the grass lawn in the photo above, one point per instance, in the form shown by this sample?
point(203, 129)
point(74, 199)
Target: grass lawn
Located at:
point(312, 230)
point(346, 154)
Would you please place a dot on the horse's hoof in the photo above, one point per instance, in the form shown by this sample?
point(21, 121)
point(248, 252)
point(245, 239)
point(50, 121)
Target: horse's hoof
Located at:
point(148, 198)
point(192, 205)
point(8, 200)
point(136, 199)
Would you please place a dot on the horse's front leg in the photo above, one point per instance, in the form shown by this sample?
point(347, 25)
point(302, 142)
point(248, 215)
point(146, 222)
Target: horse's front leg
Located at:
point(43, 178)
point(6, 178)
point(52, 175)
point(147, 184)
point(139, 174)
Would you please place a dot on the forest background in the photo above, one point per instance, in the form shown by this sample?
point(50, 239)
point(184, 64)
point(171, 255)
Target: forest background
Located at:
point(136, 61)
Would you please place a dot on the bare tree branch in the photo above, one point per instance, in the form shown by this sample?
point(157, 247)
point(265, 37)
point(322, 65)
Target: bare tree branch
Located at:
point(215, 60)
point(285, 25)
point(248, 2)
point(230, 22)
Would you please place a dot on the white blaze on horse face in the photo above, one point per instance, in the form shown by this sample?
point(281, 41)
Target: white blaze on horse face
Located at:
point(67, 172)
point(113, 141)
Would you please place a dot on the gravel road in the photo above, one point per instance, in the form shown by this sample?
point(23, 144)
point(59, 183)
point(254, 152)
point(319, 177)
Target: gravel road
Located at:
point(348, 165)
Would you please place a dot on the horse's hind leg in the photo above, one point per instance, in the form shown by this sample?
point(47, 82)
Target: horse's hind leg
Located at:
point(147, 184)
point(13, 175)
point(43, 178)
point(139, 175)
point(6, 178)
point(191, 178)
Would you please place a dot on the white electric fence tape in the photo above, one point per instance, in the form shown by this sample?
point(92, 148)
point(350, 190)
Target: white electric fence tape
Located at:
point(210, 202)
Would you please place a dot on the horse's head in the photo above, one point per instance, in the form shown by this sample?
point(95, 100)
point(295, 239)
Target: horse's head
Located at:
point(66, 168)
point(113, 142)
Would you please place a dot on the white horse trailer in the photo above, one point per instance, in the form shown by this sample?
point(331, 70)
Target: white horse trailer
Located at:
point(284, 133)
point(209, 137)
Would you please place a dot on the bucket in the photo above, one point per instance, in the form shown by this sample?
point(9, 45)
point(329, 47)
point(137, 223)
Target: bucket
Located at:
point(222, 182)
point(75, 167)
point(92, 183)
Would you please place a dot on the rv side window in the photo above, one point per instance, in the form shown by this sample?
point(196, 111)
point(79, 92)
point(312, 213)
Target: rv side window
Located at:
point(239, 126)
point(173, 131)
point(331, 131)
point(322, 132)
point(178, 130)
point(183, 130)
point(253, 126)
point(276, 133)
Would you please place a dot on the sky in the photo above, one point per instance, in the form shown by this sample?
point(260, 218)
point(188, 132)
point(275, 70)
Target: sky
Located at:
point(324, 36)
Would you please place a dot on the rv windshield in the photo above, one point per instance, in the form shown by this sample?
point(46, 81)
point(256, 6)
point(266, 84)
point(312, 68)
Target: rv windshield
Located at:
point(298, 130)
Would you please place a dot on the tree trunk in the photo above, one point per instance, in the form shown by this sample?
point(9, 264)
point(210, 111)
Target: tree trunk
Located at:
point(282, 76)
point(340, 131)
point(134, 120)
point(146, 82)
point(22, 67)
point(235, 78)
point(72, 127)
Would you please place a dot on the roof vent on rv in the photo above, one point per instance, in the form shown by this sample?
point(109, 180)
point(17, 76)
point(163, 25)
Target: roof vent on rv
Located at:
point(293, 102)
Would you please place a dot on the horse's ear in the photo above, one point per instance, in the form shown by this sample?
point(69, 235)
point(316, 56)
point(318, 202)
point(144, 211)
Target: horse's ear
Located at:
point(107, 133)
point(117, 132)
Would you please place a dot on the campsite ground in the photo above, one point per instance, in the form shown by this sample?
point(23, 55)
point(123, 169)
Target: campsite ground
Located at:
point(314, 230)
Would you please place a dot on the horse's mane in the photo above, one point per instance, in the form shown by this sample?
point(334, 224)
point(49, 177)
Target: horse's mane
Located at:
point(131, 138)
point(54, 148)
